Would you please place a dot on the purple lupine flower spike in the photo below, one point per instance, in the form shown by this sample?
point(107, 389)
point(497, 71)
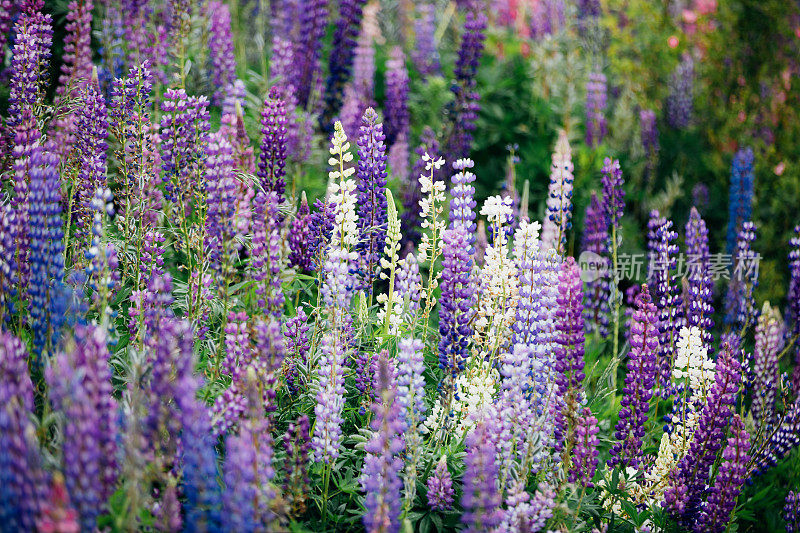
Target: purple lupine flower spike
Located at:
point(340, 63)
point(584, 453)
point(396, 109)
point(639, 383)
point(524, 513)
point(793, 296)
point(685, 492)
point(248, 467)
point(740, 203)
point(47, 248)
point(732, 473)
point(664, 289)
point(29, 67)
point(380, 475)
point(184, 126)
point(613, 192)
point(481, 500)
point(20, 464)
point(680, 100)
point(313, 22)
point(596, 97)
point(766, 371)
point(371, 184)
point(440, 487)
point(569, 350)
point(700, 293)
point(791, 512)
point(740, 309)
point(220, 47)
point(300, 235)
point(425, 55)
point(77, 59)
point(298, 346)
point(91, 133)
point(649, 131)
point(80, 388)
point(598, 292)
point(76, 71)
point(272, 161)
point(465, 106)
point(456, 301)
point(221, 225)
point(267, 258)
point(6, 16)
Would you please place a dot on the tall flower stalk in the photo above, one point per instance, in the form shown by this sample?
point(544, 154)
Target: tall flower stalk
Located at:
point(559, 200)
point(614, 205)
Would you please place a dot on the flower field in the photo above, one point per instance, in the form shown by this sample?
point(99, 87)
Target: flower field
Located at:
point(399, 266)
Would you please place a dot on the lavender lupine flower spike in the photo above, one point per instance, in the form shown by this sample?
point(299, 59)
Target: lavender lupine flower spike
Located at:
point(740, 307)
point(481, 499)
point(91, 133)
point(728, 483)
point(29, 63)
point(457, 298)
point(524, 513)
point(613, 192)
point(313, 21)
point(639, 382)
point(791, 512)
point(380, 475)
point(740, 203)
point(80, 388)
point(596, 127)
point(396, 109)
point(465, 106)
point(765, 365)
point(440, 487)
point(685, 492)
point(584, 453)
point(371, 182)
point(272, 161)
point(558, 219)
point(425, 56)
point(20, 465)
point(47, 249)
point(267, 259)
point(220, 47)
point(77, 66)
point(663, 287)
point(680, 99)
point(598, 292)
point(700, 297)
